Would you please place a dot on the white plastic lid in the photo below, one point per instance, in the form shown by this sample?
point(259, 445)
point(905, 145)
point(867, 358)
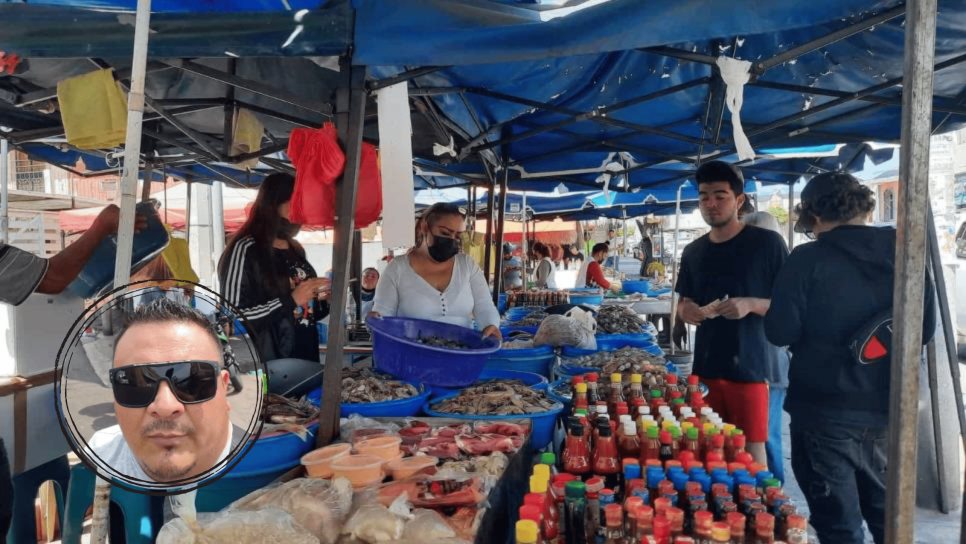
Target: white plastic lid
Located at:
point(601, 409)
point(630, 428)
point(642, 410)
point(624, 418)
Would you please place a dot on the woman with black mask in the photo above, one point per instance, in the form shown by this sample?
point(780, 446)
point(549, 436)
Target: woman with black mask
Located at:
point(263, 272)
point(435, 281)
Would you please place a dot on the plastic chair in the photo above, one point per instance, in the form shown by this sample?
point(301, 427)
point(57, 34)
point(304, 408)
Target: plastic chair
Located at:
point(141, 521)
point(23, 527)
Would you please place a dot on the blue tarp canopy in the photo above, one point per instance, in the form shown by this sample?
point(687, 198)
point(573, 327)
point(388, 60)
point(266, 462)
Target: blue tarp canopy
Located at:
point(563, 94)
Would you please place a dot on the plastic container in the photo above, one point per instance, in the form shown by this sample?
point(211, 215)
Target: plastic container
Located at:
point(541, 424)
point(282, 451)
point(636, 286)
point(593, 296)
point(318, 462)
point(389, 408)
point(361, 470)
point(530, 379)
point(537, 360)
point(400, 469)
point(508, 328)
point(551, 392)
point(396, 350)
point(385, 447)
point(613, 342)
point(97, 276)
point(501, 303)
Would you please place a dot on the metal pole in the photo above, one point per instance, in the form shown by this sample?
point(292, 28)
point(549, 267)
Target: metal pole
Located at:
point(4, 209)
point(917, 85)
point(217, 224)
point(488, 248)
point(146, 176)
point(126, 195)
point(674, 264)
point(525, 246)
point(350, 118)
point(791, 210)
point(500, 226)
point(355, 273)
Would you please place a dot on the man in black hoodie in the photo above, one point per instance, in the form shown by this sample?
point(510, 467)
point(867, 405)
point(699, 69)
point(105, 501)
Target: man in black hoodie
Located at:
point(839, 408)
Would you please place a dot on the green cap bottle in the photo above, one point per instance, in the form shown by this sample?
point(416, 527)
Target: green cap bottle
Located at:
point(548, 458)
point(576, 490)
point(693, 433)
point(652, 432)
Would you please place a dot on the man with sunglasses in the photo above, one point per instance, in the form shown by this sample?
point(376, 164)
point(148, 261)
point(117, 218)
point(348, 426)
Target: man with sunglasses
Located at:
point(170, 397)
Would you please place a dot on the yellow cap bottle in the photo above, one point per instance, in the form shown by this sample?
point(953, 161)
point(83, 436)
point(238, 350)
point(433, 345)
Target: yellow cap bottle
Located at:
point(728, 427)
point(581, 388)
point(542, 470)
point(616, 377)
point(636, 378)
point(538, 484)
point(527, 531)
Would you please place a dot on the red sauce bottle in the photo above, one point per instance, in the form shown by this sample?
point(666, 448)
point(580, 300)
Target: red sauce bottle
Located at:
point(576, 458)
point(651, 448)
point(605, 460)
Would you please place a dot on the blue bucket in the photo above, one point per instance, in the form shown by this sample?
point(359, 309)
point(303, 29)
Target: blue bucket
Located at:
point(509, 328)
point(389, 408)
point(559, 398)
point(541, 425)
point(501, 303)
point(97, 276)
point(518, 312)
point(612, 342)
point(536, 360)
point(396, 350)
point(530, 379)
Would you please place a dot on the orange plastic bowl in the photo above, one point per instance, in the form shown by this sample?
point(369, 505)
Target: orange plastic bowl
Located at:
point(400, 469)
point(385, 447)
point(318, 462)
point(360, 469)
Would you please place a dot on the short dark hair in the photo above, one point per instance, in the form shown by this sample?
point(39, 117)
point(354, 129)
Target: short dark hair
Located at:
point(836, 196)
point(541, 249)
point(715, 171)
point(600, 247)
point(167, 311)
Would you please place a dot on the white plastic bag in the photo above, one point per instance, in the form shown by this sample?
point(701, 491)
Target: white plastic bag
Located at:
point(319, 506)
point(373, 522)
point(560, 330)
point(269, 526)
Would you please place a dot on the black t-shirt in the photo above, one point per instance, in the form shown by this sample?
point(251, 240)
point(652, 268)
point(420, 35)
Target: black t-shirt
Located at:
point(304, 335)
point(745, 266)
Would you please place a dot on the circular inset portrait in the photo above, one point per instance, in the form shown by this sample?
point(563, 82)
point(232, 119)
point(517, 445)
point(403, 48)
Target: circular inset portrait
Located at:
point(153, 392)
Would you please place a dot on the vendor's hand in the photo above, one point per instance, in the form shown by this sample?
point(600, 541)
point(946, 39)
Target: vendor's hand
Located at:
point(306, 290)
point(322, 293)
point(494, 332)
point(107, 221)
point(736, 308)
point(690, 313)
point(374, 315)
point(679, 334)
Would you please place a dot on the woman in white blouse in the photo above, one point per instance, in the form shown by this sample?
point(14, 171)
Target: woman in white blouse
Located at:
point(435, 281)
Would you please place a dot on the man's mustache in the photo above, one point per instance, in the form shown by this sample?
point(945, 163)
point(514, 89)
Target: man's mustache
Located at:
point(167, 425)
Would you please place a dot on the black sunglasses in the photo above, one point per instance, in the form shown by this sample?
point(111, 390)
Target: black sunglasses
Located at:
point(135, 386)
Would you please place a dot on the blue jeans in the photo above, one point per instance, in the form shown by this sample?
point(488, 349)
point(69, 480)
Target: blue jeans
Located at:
point(776, 462)
point(842, 472)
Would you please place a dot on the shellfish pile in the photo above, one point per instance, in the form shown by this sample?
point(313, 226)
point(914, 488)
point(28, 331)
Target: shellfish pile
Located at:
point(618, 320)
point(496, 397)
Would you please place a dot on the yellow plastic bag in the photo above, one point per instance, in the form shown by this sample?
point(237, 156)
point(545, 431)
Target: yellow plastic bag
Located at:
point(247, 137)
point(93, 109)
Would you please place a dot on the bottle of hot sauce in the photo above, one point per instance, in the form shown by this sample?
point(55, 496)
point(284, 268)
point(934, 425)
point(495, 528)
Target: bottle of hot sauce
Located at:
point(666, 451)
point(616, 394)
point(651, 448)
point(593, 394)
point(715, 453)
point(580, 397)
point(741, 456)
point(628, 444)
point(637, 389)
point(605, 461)
point(576, 457)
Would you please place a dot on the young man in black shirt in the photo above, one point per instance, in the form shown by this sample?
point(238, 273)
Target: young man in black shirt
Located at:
point(725, 285)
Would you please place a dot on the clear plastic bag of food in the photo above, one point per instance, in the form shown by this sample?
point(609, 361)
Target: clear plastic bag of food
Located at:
point(373, 522)
point(355, 427)
point(319, 506)
point(559, 330)
point(269, 526)
point(428, 526)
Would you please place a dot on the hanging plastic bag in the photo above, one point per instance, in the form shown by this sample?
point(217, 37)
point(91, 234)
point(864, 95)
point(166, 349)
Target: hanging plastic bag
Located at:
point(560, 330)
point(319, 161)
point(369, 195)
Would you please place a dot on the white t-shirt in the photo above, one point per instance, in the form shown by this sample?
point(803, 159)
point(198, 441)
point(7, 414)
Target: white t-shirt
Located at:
point(402, 292)
point(551, 275)
point(111, 449)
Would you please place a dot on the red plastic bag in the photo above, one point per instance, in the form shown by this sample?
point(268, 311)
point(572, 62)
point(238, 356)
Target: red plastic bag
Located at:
point(319, 162)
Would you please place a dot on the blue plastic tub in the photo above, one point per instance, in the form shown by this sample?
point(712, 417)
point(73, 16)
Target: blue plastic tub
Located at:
point(501, 303)
point(559, 398)
point(282, 451)
point(592, 298)
point(518, 312)
point(536, 360)
point(530, 379)
point(235, 485)
point(541, 424)
point(396, 351)
point(507, 329)
point(611, 342)
point(390, 408)
point(636, 286)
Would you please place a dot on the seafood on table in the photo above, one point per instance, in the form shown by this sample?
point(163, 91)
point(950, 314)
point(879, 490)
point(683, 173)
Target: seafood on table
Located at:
point(491, 465)
point(533, 319)
point(519, 343)
point(496, 397)
point(362, 385)
point(440, 342)
point(626, 360)
point(459, 440)
point(284, 414)
point(618, 320)
point(536, 298)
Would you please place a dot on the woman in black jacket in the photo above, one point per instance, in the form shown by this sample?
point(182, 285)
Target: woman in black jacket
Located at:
point(264, 273)
point(824, 294)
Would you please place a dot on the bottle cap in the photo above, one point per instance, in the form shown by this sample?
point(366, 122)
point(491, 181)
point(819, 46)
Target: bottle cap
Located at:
point(661, 526)
point(622, 410)
point(601, 409)
point(645, 515)
point(717, 441)
point(680, 481)
point(542, 471)
point(623, 418)
point(720, 531)
point(737, 521)
point(613, 515)
point(591, 377)
point(536, 499)
point(795, 521)
point(526, 531)
point(644, 410)
point(576, 380)
point(604, 430)
point(630, 428)
point(652, 432)
point(636, 378)
point(671, 379)
point(738, 441)
point(764, 522)
point(660, 506)
point(548, 458)
point(727, 428)
point(577, 430)
point(575, 489)
point(692, 433)
point(530, 512)
point(686, 457)
point(616, 377)
point(580, 387)
point(676, 517)
point(703, 520)
point(675, 432)
point(665, 437)
point(538, 484)
point(632, 503)
point(771, 482)
point(655, 393)
point(693, 379)
point(632, 472)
